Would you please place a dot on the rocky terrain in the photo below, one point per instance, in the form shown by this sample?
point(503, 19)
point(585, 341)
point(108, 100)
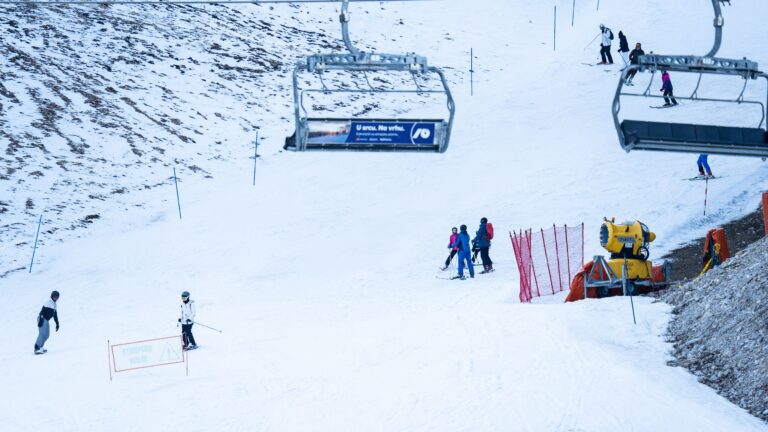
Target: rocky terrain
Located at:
point(720, 328)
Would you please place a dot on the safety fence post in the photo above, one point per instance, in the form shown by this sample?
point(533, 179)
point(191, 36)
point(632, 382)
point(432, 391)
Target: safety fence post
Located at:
point(557, 256)
point(573, 12)
point(546, 258)
point(706, 188)
point(471, 72)
point(567, 255)
point(255, 155)
point(554, 32)
point(598, 4)
point(34, 248)
point(176, 182)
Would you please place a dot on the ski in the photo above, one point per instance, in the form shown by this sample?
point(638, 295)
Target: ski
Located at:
point(190, 348)
point(663, 106)
point(704, 178)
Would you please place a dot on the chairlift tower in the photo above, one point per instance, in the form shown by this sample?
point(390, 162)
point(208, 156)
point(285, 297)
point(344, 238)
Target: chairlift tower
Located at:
point(360, 133)
point(690, 137)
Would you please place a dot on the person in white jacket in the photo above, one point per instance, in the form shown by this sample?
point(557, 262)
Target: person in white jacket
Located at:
point(605, 44)
point(187, 319)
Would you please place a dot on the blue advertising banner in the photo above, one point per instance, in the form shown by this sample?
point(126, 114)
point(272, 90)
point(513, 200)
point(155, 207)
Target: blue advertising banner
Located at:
point(372, 132)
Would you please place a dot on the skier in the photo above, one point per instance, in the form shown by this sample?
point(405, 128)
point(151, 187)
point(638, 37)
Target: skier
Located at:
point(666, 87)
point(454, 249)
point(187, 319)
point(605, 44)
point(624, 49)
point(43, 327)
point(704, 165)
point(633, 59)
point(483, 241)
point(462, 244)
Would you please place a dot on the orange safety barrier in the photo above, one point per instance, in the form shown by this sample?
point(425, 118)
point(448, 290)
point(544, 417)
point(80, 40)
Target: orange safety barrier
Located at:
point(765, 211)
point(718, 236)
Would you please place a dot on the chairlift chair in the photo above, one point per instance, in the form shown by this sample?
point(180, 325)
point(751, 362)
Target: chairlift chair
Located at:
point(691, 137)
point(359, 133)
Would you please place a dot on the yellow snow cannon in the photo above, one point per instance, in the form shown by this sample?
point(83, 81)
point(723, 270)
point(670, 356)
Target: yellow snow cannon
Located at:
point(627, 242)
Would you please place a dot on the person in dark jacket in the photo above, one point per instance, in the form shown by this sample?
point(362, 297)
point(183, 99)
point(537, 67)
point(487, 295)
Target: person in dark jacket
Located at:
point(633, 58)
point(463, 245)
point(454, 249)
point(624, 48)
point(43, 327)
point(666, 87)
point(483, 242)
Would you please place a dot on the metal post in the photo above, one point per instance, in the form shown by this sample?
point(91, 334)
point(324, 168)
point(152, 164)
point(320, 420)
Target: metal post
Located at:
point(34, 248)
point(573, 12)
point(471, 72)
point(554, 32)
point(178, 200)
point(109, 360)
point(255, 155)
point(598, 4)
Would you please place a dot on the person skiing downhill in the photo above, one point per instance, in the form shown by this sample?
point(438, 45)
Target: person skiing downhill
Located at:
point(483, 241)
point(43, 327)
point(704, 165)
point(624, 48)
point(187, 319)
point(464, 248)
point(605, 45)
point(666, 87)
point(633, 60)
point(454, 249)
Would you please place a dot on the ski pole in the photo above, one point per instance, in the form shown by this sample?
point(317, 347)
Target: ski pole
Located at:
point(590, 42)
point(209, 327)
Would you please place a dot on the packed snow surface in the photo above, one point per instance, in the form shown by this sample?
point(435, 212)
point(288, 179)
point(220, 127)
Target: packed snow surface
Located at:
point(322, 275)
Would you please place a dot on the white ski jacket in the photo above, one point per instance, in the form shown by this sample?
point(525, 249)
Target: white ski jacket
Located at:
point(606, 40)
point(188, 312)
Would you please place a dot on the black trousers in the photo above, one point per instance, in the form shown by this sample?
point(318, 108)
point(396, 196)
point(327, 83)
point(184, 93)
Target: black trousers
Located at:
point(605, 51)
point(450, 257)
point(186, 334)
point(487, 263)
point(671, 96)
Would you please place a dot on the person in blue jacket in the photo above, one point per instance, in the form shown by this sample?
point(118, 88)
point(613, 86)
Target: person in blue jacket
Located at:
point(483, 242)
point(465, 250)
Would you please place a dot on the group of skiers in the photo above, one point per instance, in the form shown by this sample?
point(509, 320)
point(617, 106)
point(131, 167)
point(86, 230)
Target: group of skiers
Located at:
point(632, 59)
point(49, 310)
point(467, 250)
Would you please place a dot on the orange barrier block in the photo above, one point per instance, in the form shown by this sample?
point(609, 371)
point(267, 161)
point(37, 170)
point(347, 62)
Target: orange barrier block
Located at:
point(765, 212)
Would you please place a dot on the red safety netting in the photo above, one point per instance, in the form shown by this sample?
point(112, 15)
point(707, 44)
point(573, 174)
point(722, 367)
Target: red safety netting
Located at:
point(547, 259)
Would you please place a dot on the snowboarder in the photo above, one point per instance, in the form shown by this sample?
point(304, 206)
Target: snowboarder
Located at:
point(633, 59)
point(483, 241)
point(624, 49)
point(187, 319)
point(454, 249)
point(704, 165)
point(666, 87)
point(43, 327)
point(463, 246)
point(605, 44)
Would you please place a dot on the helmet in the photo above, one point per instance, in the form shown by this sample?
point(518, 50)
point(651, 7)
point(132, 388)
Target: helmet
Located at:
point(54, 294)
point(463, 228)
point(602, 26)
point(454, 229)
point(185, 293)
point(484, 220)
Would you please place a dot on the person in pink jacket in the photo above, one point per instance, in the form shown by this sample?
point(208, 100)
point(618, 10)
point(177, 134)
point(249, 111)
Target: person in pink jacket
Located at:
point(454, 249)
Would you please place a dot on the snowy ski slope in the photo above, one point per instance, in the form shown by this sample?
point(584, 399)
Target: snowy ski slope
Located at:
point(322, 275)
